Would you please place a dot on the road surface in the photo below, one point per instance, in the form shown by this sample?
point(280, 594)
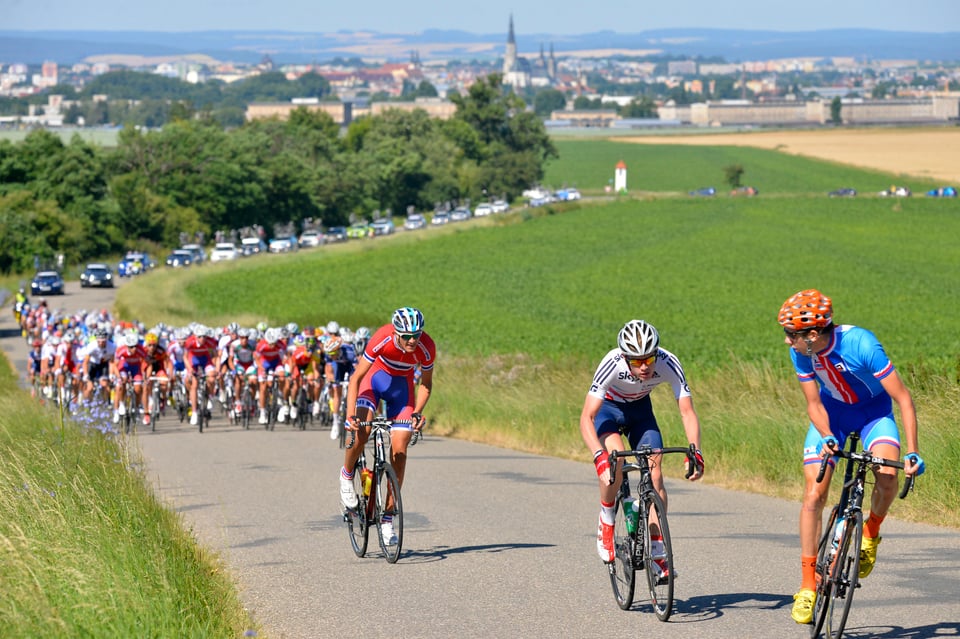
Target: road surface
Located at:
point(501, 544)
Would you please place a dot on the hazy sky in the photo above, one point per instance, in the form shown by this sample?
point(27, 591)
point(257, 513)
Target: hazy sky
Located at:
point(478, 16)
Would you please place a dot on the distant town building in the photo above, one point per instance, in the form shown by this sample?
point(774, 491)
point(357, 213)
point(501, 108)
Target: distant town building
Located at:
point(520, 72)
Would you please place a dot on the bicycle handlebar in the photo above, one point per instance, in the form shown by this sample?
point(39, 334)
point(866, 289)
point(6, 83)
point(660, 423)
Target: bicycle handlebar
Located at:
point(867, 458)
point(647, 451)
point(382, 422)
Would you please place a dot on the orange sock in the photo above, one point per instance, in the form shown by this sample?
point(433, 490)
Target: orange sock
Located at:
point(871, 528)
point(808, 572)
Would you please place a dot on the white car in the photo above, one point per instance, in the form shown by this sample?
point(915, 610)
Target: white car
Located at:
point(500, 206)
point(439, 218)
point(383, 226)
point(311, 238)
point(483, 209)
point(283, 244)
point(224, 251)
point(460, 214)
point(252, 246)
point(414, 222)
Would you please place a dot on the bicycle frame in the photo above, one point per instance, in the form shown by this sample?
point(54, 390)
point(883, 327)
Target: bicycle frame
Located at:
point(838, 552)
point(633, 549)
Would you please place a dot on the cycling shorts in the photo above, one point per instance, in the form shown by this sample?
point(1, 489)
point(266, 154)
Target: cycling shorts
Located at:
point(633, 419)
point(340, 370)
point(96, 371)
point(200, 362)
point(872, 419)
point(131, 371)
point(396, 391)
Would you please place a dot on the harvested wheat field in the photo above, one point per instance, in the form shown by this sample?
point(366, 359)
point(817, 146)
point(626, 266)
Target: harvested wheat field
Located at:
point(926, 153)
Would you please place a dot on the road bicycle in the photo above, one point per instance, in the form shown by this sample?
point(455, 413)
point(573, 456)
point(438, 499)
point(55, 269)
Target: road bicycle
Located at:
point(378, 491)
point(153, 406)
point(636, 524)
point(203, 413)
point(342, 409)
point(302, 402)
point(128, 419)
point(247, 403)
point(838, 553)
point(181, 397)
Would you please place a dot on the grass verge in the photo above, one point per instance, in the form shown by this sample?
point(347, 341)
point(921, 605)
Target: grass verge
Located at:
point(88, 551)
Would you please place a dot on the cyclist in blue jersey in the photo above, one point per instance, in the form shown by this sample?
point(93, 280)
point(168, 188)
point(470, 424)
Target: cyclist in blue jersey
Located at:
point(849, 385)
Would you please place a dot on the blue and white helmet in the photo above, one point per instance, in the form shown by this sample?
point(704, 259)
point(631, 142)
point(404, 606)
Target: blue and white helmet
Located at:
point(408, 320)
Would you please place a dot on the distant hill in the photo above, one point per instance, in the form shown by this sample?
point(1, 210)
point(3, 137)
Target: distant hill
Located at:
point(68, 47)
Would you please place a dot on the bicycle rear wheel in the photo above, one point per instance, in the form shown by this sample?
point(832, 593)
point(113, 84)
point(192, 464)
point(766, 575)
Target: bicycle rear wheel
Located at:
point(388, 492)
point(358, 520)
point(659, 567)
point(303, 409)
point(845, 576)
point(823, 575)
point(622, 569)
point(247, 407)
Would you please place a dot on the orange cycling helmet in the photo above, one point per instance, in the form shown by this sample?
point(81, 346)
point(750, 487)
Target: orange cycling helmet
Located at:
point(805, 310)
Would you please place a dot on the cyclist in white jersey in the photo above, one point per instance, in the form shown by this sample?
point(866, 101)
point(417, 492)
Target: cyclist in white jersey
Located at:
point(619, 402)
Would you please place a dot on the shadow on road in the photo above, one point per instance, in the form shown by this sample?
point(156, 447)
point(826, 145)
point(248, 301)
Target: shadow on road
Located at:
point(945, 629)
point(714, 606)
point(438, 553)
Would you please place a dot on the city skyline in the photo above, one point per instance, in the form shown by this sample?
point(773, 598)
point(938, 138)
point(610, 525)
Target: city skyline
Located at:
point(558, 17)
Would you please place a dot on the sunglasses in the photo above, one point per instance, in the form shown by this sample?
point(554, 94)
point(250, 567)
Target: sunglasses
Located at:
point(406, 337)
point(641, 361)
point(792, 335)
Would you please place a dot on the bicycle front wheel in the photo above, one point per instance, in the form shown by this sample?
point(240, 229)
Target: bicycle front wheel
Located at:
point(844, 577)
point(823, 575)
point(358, 522)
point(622, 569)
point(658, 557)
point(389, 505)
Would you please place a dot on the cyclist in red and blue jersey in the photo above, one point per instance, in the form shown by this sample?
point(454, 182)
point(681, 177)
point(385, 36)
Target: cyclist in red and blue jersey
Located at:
point(200, 359)
point(619, 402)
point(130, 361)
point(849, 385)
point(385, 372)
point(269, 355)
point(340, 360)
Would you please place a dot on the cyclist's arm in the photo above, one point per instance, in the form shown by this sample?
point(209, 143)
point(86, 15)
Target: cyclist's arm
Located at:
point(423, 391)
point(815, 409)
point(691, 422)
point(591, 406)
point(353, 388)
point(898, 391)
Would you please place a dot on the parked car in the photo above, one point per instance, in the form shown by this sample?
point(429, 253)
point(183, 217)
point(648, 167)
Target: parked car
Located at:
point(383, 226)
point(336, 234)
point(943, 191)
point(844, 192)
point(223, 252)
point(180, 258)
point(460, 214)
point(500, 206)
point(199, 254)
point(896, 191)
point(310, 238)
point(252, 246)
point(567, 195)
point(747, 191)
point(708, 191)
point(47, 283)
point(97, 274)
point(439, 218)
point(414, 222)
point(483, 209)
point(134, 263)
point(359, 230)
point(283, 244)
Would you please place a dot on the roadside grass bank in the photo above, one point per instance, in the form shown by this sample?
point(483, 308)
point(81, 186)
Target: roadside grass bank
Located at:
point(87, 550)
point(523, 307)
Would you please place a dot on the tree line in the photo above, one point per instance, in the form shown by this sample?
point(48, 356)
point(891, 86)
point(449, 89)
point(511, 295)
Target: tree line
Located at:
point(83, 201)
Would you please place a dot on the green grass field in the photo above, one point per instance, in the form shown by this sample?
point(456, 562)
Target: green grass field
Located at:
point(589, 165)
point(523, 307)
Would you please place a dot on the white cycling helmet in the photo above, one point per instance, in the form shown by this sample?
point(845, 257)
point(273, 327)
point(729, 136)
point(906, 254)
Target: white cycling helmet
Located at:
point(131, 339)
point(408, 320)
point(638, 339)
point(333, 328)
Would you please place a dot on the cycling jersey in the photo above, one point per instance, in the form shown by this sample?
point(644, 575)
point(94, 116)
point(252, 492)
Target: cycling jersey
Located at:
point(268, 352)
point(614, 381)
point(849, 370)
point(97, 355)
point(385, 354)
point(156, 363)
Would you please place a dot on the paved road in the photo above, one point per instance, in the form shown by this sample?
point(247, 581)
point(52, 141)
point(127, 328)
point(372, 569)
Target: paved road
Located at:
point(500, 544)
